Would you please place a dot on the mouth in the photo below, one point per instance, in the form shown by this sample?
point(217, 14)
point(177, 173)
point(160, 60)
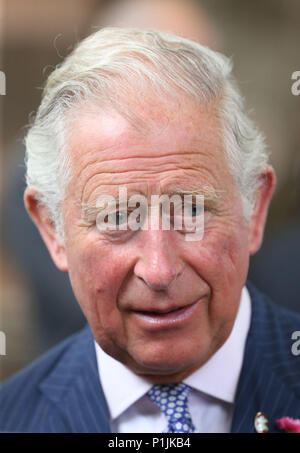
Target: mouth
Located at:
point(166, 317)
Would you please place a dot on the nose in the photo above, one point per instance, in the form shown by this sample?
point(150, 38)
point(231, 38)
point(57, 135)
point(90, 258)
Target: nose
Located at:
point(159, 263)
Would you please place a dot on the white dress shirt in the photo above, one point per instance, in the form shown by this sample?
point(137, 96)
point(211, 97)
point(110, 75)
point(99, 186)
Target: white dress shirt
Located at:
point(211, 399)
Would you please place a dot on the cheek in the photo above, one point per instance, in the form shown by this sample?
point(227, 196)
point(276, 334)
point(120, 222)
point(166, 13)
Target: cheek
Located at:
point(221, 260)
point(232, 254)
point(96, 273)
point(228, 278)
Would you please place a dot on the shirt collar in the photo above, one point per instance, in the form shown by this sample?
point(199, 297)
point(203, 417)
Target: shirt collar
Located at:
point(218, 377)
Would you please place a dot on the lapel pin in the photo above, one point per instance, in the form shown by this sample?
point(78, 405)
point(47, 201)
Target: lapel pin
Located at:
point(261, 423)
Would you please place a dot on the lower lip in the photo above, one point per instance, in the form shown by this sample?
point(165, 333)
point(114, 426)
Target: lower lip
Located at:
point(167, 319)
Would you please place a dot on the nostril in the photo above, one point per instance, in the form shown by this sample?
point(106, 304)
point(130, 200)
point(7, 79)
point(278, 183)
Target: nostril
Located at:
point(158, 286)
point(158, 272)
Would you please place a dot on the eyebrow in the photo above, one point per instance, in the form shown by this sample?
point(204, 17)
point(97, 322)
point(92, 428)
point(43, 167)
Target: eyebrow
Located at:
point(92, 209)
point(209, 193)
point(213, 199)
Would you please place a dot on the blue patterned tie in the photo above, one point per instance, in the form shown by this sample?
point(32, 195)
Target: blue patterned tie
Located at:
point(173, 402)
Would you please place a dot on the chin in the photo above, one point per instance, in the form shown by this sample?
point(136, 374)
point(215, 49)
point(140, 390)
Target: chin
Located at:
point(165, 365)
point(170, 359)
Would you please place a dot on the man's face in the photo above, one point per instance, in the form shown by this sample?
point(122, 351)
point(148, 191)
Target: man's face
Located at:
point(160, 304)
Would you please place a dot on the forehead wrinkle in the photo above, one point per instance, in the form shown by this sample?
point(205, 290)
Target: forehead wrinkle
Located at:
point(109, 179)
point(134, 180)
point(151, 156)
point(127, 159)
point(128, 143)
point(154, 160)
point(173, 166)
point(112, 181)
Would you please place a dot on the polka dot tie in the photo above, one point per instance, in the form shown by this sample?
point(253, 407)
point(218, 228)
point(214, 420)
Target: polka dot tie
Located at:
point(173, 402)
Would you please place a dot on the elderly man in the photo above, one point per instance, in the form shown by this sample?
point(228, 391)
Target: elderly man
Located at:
point(175, 342)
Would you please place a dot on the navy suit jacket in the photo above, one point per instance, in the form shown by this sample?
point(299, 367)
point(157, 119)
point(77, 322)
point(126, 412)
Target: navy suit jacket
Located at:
point(61, 391)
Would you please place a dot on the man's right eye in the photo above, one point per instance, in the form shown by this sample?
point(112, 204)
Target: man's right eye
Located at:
point(116, 218)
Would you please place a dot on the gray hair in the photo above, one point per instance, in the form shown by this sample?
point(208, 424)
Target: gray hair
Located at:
point(103, 67)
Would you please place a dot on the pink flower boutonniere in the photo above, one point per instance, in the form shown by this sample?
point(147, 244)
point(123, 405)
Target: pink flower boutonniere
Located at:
point(288, 424)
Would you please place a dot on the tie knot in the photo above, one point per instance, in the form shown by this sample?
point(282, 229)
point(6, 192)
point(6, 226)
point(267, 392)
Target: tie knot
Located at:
point(173, 402)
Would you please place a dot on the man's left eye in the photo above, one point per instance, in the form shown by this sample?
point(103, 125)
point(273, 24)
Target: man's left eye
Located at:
point(193, 210)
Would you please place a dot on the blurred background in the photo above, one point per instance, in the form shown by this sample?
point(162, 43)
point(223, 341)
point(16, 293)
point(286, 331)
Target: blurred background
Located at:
point(37, 306)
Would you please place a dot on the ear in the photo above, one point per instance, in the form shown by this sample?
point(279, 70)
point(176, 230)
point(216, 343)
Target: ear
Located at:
point(46, 227)
point(262, 200)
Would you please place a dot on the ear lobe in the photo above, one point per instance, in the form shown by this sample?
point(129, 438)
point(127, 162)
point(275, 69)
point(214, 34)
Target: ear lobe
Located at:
point(258, 219)
point(41, 218)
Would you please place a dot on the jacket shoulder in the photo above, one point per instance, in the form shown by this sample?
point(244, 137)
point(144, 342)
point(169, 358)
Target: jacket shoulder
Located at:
point(21, 399)
point(269, 313)
point(274, 331)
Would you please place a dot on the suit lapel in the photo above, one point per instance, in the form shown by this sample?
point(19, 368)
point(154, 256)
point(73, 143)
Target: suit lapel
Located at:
point(74, 388)
point(268, 383)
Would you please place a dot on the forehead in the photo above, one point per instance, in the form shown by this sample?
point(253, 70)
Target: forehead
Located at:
point(173, 142)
